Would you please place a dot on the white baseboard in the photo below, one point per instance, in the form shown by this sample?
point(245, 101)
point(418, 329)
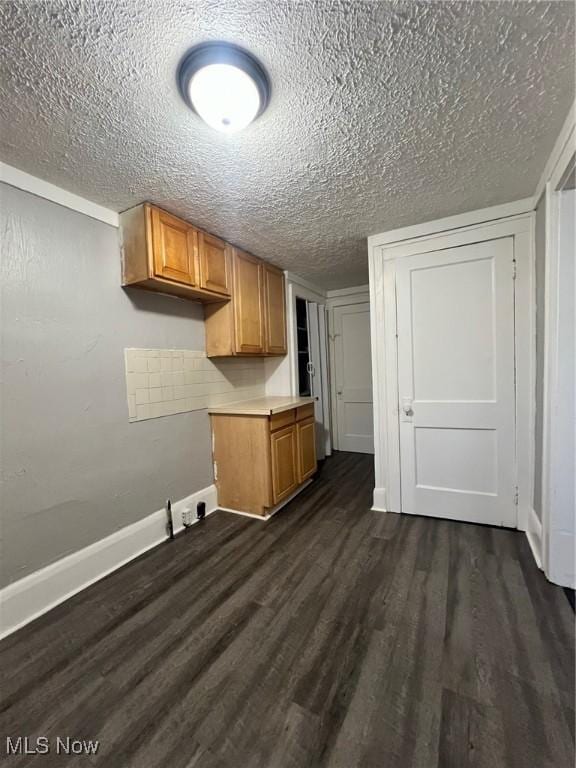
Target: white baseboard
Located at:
point(379, 500)
point(30, 597)
point(534, 536)
point(561, 569)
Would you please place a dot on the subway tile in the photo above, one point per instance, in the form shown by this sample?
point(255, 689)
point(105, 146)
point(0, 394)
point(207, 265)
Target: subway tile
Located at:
point(155, 395)
point(167, 379)
point(142, 396)
point(153, 364)
point(156, 410)
point(132, 406)
point(142, 412)
point(140, 365)
point(155, 380)
point(131, 383)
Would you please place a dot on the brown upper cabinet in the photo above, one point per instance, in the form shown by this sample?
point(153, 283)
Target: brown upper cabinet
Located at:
point(174, 248)
point(161, 252)
point(214, 264)
point(274, 310)
point(248, 305)
point(254, 321)
point(245, 302)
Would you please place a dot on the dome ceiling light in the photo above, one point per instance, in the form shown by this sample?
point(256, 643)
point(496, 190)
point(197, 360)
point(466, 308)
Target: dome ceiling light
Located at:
point(224, 84)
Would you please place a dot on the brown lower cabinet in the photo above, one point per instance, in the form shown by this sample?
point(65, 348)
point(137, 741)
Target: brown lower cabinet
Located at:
point(259, 461)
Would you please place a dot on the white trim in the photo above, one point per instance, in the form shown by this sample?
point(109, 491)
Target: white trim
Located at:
point(347, 291)
point(352, 296)
point(297, 280)
point(30, 597)
point(381, 262)
point(565, 137)
point(379, 500)
point(301, 289)
point(16, 178)
point(534, 536)
point(467, 219)
point(557, 547)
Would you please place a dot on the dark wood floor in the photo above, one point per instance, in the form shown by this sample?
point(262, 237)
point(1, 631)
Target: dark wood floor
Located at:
point(330, 636)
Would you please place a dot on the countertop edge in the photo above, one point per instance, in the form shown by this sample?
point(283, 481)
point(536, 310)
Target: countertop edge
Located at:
point(241, 408)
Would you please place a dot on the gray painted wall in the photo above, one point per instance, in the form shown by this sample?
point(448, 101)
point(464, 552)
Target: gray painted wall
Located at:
point(540, 255)
point(74, 469)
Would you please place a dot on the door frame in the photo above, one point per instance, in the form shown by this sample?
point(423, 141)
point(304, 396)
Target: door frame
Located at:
point(343, 297)
point(298, 288)
point(382, 254)
point(556, 551)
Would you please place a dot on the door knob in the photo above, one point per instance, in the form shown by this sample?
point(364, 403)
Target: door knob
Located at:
point(407, 406)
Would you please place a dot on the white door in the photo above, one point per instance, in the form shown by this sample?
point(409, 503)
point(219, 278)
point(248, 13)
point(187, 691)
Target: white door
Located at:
point(353, 378)
point(315, 370)
point(455, 311)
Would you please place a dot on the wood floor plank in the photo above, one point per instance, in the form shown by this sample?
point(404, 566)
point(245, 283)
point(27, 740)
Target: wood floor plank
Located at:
point(329, 637)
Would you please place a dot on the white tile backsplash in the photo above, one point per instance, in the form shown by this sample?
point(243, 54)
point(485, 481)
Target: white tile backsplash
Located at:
point(163, 382)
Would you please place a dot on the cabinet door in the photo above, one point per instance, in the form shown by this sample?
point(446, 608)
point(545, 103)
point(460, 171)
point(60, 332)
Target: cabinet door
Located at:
point(248, 310)
point(214, 264)
point(274, 310)
point(174, 248)
point(306, 449)
point(284, 462)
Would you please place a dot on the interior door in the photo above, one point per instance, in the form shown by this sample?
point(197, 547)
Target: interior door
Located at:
point(315, 371)
point(455, 311)
point(353, 378)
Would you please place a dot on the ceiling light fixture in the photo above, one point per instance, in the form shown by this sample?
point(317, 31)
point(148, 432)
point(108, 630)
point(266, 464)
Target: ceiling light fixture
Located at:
point(224, 84)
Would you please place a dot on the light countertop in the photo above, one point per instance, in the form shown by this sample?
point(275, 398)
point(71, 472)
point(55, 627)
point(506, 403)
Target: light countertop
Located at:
point(262, 406)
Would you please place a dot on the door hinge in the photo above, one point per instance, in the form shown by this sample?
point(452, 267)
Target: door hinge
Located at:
point(516, 496)
point(514, 269)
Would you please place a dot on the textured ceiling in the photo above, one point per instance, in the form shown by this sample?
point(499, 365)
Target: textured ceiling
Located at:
point(383, 114)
